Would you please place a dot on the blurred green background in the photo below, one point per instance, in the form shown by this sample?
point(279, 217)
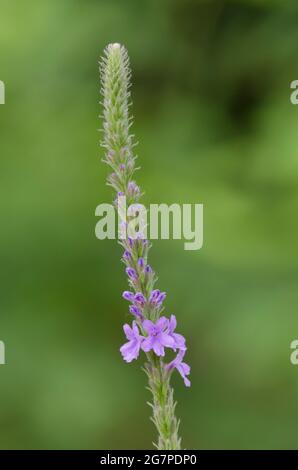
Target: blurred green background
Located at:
point(211, 89)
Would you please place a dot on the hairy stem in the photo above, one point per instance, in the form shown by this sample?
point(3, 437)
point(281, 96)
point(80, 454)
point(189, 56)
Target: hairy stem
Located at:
point(163, 406)
point(118, 144)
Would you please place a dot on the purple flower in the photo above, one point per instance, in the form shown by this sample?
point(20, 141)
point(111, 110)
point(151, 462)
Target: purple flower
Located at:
point(182, 367)
point(130, 241)
point(139, 298)
point(161, 298)
point(135, 311)
point(178, 339)
point(148, 269)
point(132, 185)
point(127, 255)
point(154, 295)
point(141, 262)
point(128, 296)
point(133, 188)
point(131, 349)
point(122, 166)
point(157, 297)
point(131, 274)
point(157, 338)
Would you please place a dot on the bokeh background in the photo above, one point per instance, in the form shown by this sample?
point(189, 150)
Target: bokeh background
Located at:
point(215, 126)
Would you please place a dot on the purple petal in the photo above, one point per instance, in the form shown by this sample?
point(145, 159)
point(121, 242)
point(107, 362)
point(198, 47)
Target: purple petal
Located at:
point(149, 326)
point(126, 254)
point(128, 296)
point(161, 298)
point(166, 340)
point(179, 341)
point(181, 370)
point(158, 348)
point(177, 360)
point(136, 330)
point(135, 311)
point(131, 273)
point(130, 350)
point(162, 323)
point(133, 187)
point(172, 323)
point(187, 382)
point(154, 295)
point(128, 332)
point(139, 297)
point(147, 344)
point(182, 367)
point(185, 367)
point(126, 348)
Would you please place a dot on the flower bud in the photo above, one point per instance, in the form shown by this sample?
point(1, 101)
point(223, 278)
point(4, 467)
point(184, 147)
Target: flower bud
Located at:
point(127, 295)
point(139, 298)
point(131, 274)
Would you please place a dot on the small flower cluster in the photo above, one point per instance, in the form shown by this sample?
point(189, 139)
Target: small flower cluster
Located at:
point(160, 335)
point(149, 330)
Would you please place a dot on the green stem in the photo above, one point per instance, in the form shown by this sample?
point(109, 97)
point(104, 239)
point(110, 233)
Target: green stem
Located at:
point(163, 405)
point(118, 143)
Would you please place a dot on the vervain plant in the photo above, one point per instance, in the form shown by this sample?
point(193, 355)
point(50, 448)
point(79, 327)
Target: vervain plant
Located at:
point(151, 332)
